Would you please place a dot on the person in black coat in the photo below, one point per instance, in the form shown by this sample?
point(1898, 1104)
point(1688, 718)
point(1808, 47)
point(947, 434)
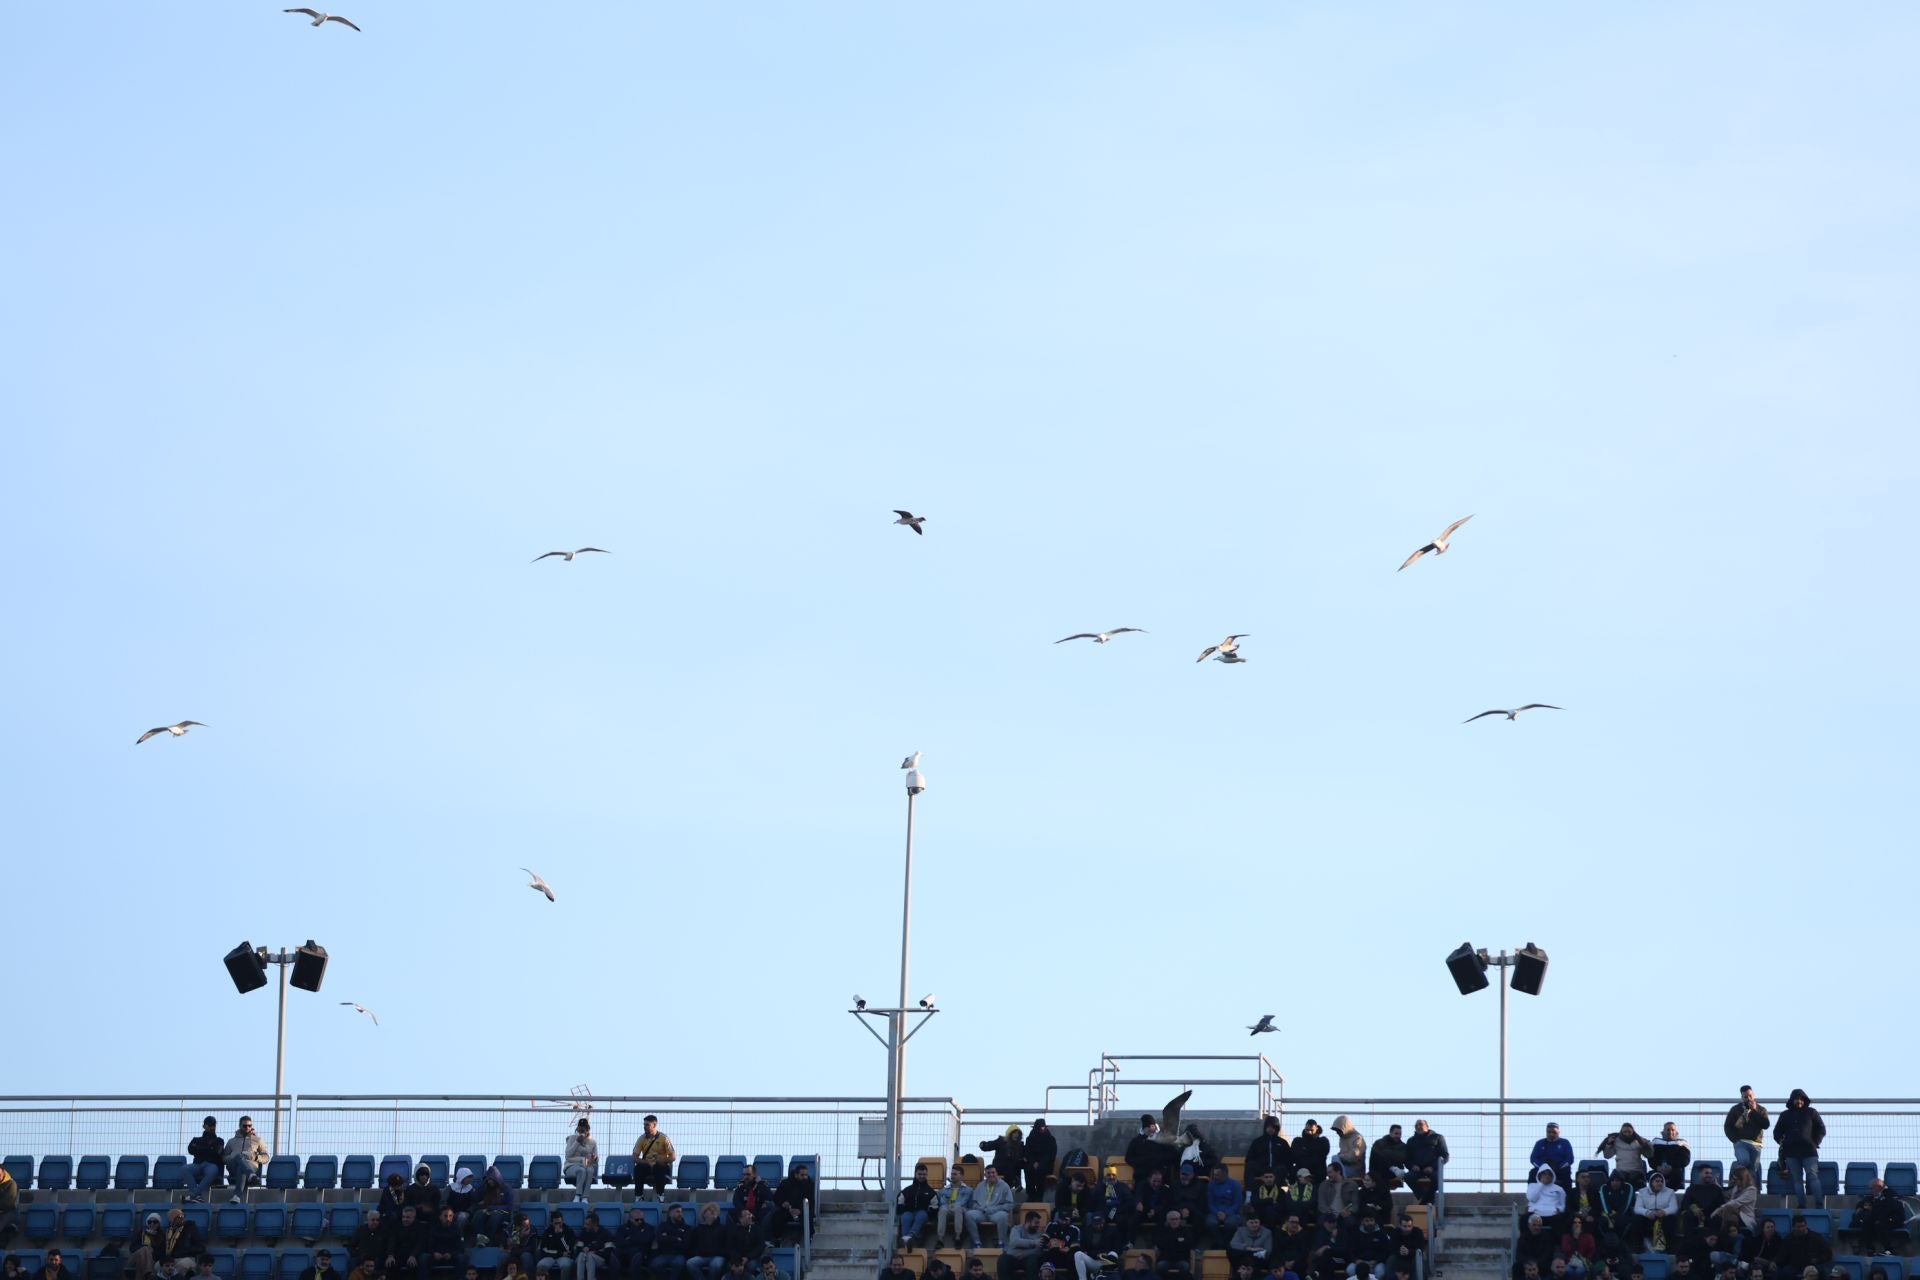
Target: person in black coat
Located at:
point(445, 1250)
point(368, 1243)
point(1270, 1151)
point(1144, 1155)
point(633, 1243)
point(1009, 1155)
point(792, 1202)
point(407, 1246)
point(1426, 1152)
point(423, 1195)
point(1043, 1150)
point(1310, 1151)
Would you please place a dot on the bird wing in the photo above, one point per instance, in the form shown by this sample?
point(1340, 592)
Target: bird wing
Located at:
point(1483, 715)
point(334, 17)
point(311, 13)
point(148, 734)
point(371, 1014)
point(1078, 635)
point(1547, 706)
point(904, 515)
point(602, 550)
point(1117, 630)
point(1204, 653)
point(915, 526)
point(544, 888)
point(1170, 1117)
point(1415, 556)
point(1448, 531)
point(184, 723)
point(538, 559)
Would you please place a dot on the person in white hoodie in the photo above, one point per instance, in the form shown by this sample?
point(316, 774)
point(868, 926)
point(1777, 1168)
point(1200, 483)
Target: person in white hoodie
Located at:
point(1547, 1198)
point(1656, 1217)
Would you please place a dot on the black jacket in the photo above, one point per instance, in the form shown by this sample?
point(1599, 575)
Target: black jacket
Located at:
point(1741, 1127)
point(207, 1149)
point(1080, 1202)
point(558, 1240)
point(1426, 1149)
point(1175, 1245)
point(792, 1193)
point(737, 1242)
point(671, 1238)
point(708, 1240)
point(1009, 1156)
point(1310, 1152)
point(1144, 1155)
point(1269, 1151)
point(1042, 1150)
point(368, 1242)
point(1801, 1252)
point(1616, 1207)
point(423, 1196)
point(915, 1197)
point(634, 1239)
point(444, 1237)
point(1676, 1158)
point(406, 1242)
point(1799, 1131)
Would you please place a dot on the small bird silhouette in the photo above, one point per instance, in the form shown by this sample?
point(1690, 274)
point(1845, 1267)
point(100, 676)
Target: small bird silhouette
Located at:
point(1515, 713)
point(569, 555)
point(911, 762)
point(1265, 1024)
point(1099, 637)
point(538, 883)
point(319, 17)
point(360, 1008)
point(910, 520)
point(1230, 645)
point(177, 730)
point(1438, 546)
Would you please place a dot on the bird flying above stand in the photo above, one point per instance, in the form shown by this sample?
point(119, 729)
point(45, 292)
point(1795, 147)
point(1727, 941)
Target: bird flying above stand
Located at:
point(360, 1008)
point(1230, 645)
point(538, 883)
point(1438, 546)
point(569, 555)
point(319, 17)
point(177, 730)
point(1515, 713)
point(1265, 1024)
point(1099, 637)
point(1170, 1122)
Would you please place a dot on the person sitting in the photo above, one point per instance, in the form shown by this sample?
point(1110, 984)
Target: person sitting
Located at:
point(322, 1268)
point(653, 1158)
point(1311, 1151)
point(1655, 1222)
point(1535, 1243)
point(1190, 1196)
point(493, 1217)
point(407, 1247)
point(54, 1267)
point(368, 1243)
point(1301, 1197)
point(147, 1247)
point(1734, 1216)
point(245, 1155)
point(1152, 1201)
point(1173, 1246)
point(753, 1194)
point(1409, 1245)
point(633, 1244)
point(670, 1245)
point(1580, 1246)
point(707, 1245)
point(951, 1203)
point(1426, 1153)
point(770, 1269)
point(741, 1240)
point(1673, 1157)
point(1072, 1194)
point(1224, 1201)
point(1267, 1196)
point(580, 1163)
point(598, 1252)
point(913, 1205)
point(792, 1203)
point(422, 1195)
point(1118, 1194)
point(558, 1244)
point(993, 1202)
point(1339, 1194)
point(1251, 1243)
point(1374, 1197)
point(1293, 1246)
point(445, 1250)
point(206, 1157)
point(393, 1197)
point(1701, 1201)
point(1761, 1254)
point(1546, 1198)
point(522, 1244)
point(463, 1197)
point(1556, 1153)
point(1387, 1162)
point(1615, 1216)
point(1371, 1248)
point(897, 1268)
point(1628, 1151)
point(1880, 1219)
point(1804, 1249)
point(1021, 1248)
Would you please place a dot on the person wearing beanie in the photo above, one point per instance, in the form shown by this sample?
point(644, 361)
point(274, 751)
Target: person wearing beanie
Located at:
point(206, 1155)
point(1043, 1152)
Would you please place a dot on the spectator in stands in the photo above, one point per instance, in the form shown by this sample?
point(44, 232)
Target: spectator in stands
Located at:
point(1746, 1128)
point(245, 1155)
point(1734, 1216)
point(1656, 1212)
point(1102, 1236)
point(1145, 1156)
point(670, 1244)
point(1761, 1253)
point(1800, 1132)
point(367, 1246)
point(793, 1203)
point(1388, 1162)
point(522, 1244)
point(407, 1247)
point(993, 1201)
point(1628, 1151)
point(633, 1243)
point(1701, 1201)
point(9, 1204)
point(322, 1268)
point(1546, 1198)
point(1616, 1210)
point(1190, 1196)
point(1556, 1153)
point(1352, 1152)
point(1673, 1157)
point(743, 1237)
point(950, 1212)
point(1339, 1194)
point(770, 1270)
point(558, 1244)
point(205, 1156)
point(753, 1195)
point(913, 1205)
point(1426, 1152)
point(1224, 1199)
point(1409, 1243)
point(1022, 1248)
point(1269, 1151)
point(1804, 1248)
point(444, 1249)
point(1267, 1196)
point(1302, 1197)
point(707, 1245)
point(422, 1195)
point(1173, 1246)
point(1250, 1243)
point(1293, 1245)
point(1066, 1250)
point(54, 1268)
point(653, 1157)
point(1197, 1153)
point(1151, 1202)
point(393, 1198)
point(1371, 1248)
point(11, 1269)
point(897, 1269)
point(597, 1252)
point(462, 1197)
point(1879, 1218)
point(1118, 1196)
point(1043, 1150)
point(1009, 1154)
point(581, 1163)
point(1580, 1246)
point(365, 1271)
point(1374, 1197)
point(147, 1252)
point(1535, 1244)
point(1310, 1151)
point(493, 1219)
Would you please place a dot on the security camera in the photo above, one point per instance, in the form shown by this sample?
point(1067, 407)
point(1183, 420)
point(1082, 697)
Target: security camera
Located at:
point(859, 1002)
point(926, 1001)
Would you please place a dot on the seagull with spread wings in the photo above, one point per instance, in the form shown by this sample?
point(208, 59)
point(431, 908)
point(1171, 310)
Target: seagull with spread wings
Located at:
point(1100, 637)
point(319, 17)
point(1170, 1122)
point(1265, 1024)
point(538, 883)
point(360, 1008)
point(1438, 546)
point(910, 520)
point(569, 555)
point(177, 730)
point(1230, 645)
point(1513, 714)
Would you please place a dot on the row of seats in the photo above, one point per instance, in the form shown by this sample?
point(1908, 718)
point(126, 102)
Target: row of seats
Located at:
point(1659, 1266)
point(281, 1264)
point(542, 1173)
point(273, 1220)
point(1903, 1176)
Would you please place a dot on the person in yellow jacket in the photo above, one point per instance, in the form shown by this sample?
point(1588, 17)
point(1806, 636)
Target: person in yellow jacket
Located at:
point(9, 1204)
point(653, 1158)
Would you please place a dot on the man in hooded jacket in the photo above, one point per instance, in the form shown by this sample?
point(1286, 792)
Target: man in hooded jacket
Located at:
point(1043, 1152)
point(1800, 1131)
point(1269, 1151)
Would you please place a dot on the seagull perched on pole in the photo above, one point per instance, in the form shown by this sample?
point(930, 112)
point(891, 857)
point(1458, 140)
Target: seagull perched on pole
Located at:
point(538, 883)
point(911, 762)
point(177, 730)
point(569, 555)
point(910, 520)
point(360, 1008)
point(1438, 546)
point(319, 17)
point(1265, 1024)
point(1100, 637)
point(1228, 646)
point(1513, 714)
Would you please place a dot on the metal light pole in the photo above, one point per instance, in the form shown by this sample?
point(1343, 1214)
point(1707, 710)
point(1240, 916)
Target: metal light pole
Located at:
point(1469, 968)
point(247, 966)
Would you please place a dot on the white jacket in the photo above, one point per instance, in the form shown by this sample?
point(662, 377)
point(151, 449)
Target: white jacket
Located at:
point(1646, 1201)
point(1546, 1199)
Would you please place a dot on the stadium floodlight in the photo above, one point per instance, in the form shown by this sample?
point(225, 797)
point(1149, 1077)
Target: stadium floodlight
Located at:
point(1468, 968)
point(247, 966)
point(926, 1001)
point(859, 1003)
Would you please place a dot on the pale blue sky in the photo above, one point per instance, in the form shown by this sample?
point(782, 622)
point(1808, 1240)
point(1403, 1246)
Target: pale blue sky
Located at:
point(1196, 318)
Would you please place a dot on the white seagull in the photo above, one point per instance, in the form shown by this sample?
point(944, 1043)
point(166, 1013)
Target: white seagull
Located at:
point(538, 883)
point(177, 730)
point(1513, 714)
point(360, 1008)
point(1100, 637)
point(319, 17)
point(911, 762)
point(569, 555)
point(1230, 645)
point(910, 520)
point(1265, 1024)
point(1438, 546)
point(1170, 1123)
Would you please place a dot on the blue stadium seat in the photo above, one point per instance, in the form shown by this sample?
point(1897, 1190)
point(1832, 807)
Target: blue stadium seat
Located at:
point(293, 1262)
point(1895, 1264)
point(442, 1174)
point(308, 1221)
point(1776, 1179)
point(544, 1173)
point(769, 1168)
point(1856, 1268)
point(693, 1174)
point(356, 1173)
point(1719, 1170)
point(116, 1222)
point(1859, 1173)
point(93, 1174)
point(98, 1264)
point(169, 1173)
point(322, 1173)
point(1819, 1221)
point(40, 1222)
point(477, 1163)
point(813, 1168)
point(20, 1169)
point(536, 1215)
point(232, 1221)
point(402, 1165)
point(788, 1260)
point(346, 1219)
point(226, 1263)
point(574, 1215)
point(130, 1173)
point(1903, 1177)
point(1655, 1265)
point(487, 1260)
point(283, 1173)
point(617, 1171)
point(256, 1264)
point(513, 1170)
point(1830, 1177)
point(1598, 1168)
point(56, 1174)
point(270, 1220)
point(200, 1215)
point(77, 1222)
point(727, 1171)
point(31, 1260)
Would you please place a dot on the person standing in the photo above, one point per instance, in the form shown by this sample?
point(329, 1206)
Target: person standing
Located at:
point(1746, 1127)
point(653, 1157)
point(1043, 1151)
point(1800, 1133)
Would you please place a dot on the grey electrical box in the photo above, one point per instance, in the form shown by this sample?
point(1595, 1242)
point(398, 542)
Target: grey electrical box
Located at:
point(873, 1137)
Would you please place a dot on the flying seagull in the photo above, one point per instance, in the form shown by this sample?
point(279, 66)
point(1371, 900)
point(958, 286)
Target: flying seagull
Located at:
point(1170, 1122)
point(1513, 714)
point(1438, 546)
point(911, 762)
point(1265, 1024)
point(538, 883)
point(360, 1008)
point(1228, 658)
point(177, 730)
point(569, 555)
point(910, 520)
point(1230, 645)
point(319, 17)
point(1100, 637)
